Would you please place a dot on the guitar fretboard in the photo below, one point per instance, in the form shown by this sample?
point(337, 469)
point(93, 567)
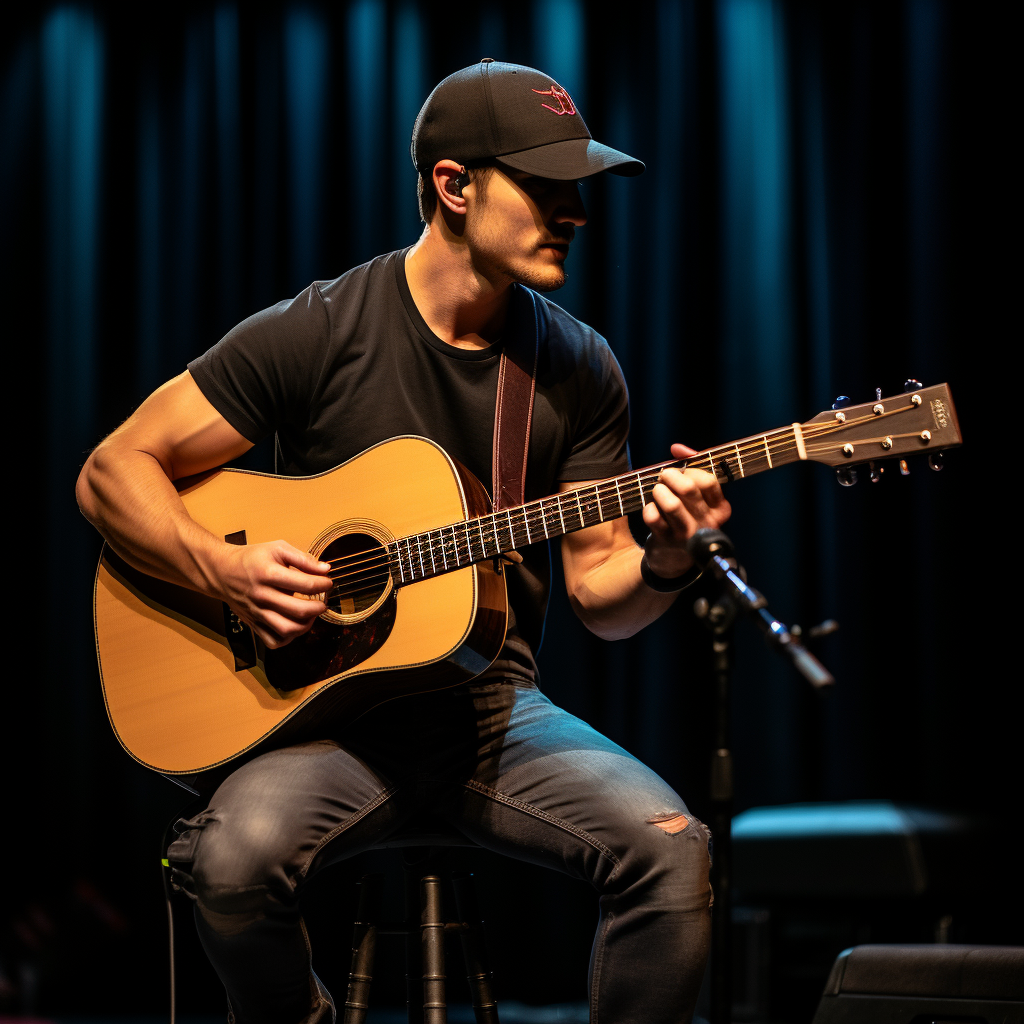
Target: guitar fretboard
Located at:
point(457, 545)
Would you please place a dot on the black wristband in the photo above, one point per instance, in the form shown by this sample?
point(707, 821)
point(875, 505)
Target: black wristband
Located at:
point(667, 586)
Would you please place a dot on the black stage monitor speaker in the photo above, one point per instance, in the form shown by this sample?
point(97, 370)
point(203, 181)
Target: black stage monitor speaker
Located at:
point(925, 985)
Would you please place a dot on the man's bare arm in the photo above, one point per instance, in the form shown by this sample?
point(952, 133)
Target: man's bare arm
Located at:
point(602, 563)
point(126, 491)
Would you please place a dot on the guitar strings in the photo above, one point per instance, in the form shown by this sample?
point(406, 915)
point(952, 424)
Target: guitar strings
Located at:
point(524, 516)
point(755, 443)
point(528, 514)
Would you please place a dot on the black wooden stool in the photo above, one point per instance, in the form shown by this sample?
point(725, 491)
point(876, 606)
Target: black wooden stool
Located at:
point(424, 929)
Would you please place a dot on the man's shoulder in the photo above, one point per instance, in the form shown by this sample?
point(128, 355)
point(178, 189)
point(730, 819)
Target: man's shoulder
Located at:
point(373, 273)
point(571, 339)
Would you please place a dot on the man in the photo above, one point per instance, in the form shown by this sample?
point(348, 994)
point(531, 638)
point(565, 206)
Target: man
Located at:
point(409, 344)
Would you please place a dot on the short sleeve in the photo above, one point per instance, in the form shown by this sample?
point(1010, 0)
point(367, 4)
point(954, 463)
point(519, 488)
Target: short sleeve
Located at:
point(262, 374)
point(600, 441)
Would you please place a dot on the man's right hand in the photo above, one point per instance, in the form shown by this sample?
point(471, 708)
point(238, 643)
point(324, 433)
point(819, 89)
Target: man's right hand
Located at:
point(275, 588)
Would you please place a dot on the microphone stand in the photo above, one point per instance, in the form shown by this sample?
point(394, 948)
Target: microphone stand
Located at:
point(712, 550)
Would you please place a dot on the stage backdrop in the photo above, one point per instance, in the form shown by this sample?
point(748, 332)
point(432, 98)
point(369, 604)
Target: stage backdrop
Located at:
point(822, 213)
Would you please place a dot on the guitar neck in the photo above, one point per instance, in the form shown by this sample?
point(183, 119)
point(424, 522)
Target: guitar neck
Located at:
point(448, 548)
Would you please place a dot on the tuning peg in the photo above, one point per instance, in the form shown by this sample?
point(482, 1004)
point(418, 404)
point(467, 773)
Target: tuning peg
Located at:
point(876, 472)
point(878, 394)
point(935, 461)
point(841, 401)
point(912, 385)
point(846, 475)
point(904, 468)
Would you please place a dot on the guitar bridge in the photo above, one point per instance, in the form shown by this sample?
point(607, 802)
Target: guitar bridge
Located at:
point(240, 636)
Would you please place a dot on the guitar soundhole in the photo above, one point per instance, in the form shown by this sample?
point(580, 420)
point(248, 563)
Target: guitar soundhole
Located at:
point(360, 569)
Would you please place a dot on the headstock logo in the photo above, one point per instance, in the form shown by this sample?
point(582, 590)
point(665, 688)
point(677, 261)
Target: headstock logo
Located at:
point(939, 414)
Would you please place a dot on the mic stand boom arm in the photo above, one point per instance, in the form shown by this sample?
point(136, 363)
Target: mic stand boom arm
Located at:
point(712, 549)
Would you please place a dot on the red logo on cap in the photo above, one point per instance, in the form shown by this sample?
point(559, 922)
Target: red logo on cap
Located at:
point(556, 92)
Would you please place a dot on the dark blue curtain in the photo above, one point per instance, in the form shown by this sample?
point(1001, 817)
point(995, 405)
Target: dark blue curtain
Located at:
point(825, 211)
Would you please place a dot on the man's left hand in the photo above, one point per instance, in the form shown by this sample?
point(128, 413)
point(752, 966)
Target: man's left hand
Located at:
point(683, 502)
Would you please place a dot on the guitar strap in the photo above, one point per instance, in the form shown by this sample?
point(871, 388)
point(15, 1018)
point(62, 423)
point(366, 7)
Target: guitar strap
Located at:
point(513, 413)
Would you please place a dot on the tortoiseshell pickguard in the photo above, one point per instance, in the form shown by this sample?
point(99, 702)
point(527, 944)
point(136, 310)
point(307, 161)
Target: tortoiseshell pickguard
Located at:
point(329, 648)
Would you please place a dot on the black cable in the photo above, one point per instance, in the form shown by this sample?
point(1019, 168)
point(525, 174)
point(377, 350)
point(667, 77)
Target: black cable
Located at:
point(165, 877)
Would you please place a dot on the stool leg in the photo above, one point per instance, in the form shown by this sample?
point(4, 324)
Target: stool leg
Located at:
point(435, 1009)
point(364, 946)
point(478, 974)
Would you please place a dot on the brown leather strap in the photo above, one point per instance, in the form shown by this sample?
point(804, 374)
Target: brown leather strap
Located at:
point(513, 413)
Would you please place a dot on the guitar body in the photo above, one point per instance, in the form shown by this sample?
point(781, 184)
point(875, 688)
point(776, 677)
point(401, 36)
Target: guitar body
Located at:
point(186, 686)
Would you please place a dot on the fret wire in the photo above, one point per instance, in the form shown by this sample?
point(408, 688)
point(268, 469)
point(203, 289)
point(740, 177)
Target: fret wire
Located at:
point(729, 458)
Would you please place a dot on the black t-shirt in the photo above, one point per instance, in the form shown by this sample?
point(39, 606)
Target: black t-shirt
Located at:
point(351, 362)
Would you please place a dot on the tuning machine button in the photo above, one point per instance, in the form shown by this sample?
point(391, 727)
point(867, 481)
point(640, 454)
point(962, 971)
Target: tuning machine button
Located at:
point(841, 401)
point(935, 461)
point(912, 385)
point(846, 475)
point(876, 472)
point(904, 468)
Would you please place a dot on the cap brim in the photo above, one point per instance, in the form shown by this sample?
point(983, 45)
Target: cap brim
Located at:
point(573, 158)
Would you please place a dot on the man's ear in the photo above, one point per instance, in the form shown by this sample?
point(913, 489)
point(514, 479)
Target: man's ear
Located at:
point(449, 179)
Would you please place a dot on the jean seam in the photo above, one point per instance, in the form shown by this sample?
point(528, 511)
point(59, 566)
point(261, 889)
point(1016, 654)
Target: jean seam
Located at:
point(347, 823)
point(544, 816)
point(599, 946)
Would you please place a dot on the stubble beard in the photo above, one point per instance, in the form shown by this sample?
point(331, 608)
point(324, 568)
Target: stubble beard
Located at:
point(493, 259)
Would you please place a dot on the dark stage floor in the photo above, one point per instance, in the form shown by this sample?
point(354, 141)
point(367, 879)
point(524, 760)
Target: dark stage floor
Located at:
point(511, 1013)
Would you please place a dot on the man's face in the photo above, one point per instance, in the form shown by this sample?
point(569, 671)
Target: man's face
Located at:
point(519, 226)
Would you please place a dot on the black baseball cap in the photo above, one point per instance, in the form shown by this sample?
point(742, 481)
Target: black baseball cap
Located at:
point(514, 115)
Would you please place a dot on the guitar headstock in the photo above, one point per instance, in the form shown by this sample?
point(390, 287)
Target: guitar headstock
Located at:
point(921, 421)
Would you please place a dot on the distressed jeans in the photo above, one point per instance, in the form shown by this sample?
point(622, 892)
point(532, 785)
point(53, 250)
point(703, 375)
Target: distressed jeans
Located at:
point(508, 769)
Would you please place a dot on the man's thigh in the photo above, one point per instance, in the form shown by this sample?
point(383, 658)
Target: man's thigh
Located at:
point(551, 789)
point(282, 815)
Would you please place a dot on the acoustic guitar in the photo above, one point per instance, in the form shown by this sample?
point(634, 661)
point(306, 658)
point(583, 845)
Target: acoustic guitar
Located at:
point(418, 601)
